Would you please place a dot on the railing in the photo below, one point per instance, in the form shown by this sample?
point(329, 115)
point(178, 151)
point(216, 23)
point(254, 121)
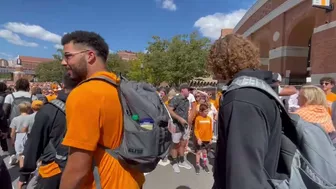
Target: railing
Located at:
point(12, 69)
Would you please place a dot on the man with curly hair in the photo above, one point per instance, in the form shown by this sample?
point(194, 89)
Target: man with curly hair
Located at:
point(249, 120)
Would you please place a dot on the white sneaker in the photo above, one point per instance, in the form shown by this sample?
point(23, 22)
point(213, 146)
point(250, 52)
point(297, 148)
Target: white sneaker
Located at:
point(185, 165)
point(176, 168)
point(13, 160)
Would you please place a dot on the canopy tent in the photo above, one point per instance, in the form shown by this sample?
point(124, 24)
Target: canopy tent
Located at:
point(202, 82)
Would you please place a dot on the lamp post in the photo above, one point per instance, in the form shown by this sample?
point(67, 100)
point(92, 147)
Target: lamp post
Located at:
point(142, 67)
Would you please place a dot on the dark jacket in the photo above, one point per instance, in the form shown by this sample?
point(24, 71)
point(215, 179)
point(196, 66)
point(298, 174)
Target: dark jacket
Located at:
point(249, 138)
point(47, 131)
point(3, 120)
point(5, 179)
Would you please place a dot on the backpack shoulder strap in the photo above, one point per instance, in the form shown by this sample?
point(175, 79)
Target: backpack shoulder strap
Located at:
point(58, 104)
point(100, 78)
point(252, 82)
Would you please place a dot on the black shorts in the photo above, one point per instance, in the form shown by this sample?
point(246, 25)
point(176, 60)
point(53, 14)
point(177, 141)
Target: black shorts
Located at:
point(203, 146)
point(49, 183)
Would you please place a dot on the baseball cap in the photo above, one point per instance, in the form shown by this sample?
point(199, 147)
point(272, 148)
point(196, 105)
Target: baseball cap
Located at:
point(225, 88)
point(184, 86)
point(36, 104)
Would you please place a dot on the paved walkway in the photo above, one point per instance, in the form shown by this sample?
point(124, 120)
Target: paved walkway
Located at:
point(162, 177)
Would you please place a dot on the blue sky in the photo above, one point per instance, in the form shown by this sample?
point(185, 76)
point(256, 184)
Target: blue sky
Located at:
point(35, 27)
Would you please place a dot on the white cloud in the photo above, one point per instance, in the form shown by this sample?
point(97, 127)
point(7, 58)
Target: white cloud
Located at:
point(15, 39)
point(211, 25)
point(33, 31)
point(45, 47)
point(3, 54)
point(58, 46)
point(169, 5)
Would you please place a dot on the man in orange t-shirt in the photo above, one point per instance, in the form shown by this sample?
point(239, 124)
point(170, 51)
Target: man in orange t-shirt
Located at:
point(327, 83)
point(94, 118)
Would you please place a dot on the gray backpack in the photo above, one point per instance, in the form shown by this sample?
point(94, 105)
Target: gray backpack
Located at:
point(306, 148)
point(15, 111)
point(141, 148)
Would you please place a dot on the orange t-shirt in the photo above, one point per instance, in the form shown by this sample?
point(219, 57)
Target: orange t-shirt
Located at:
point(94, 116)
point(203, 128)
point(331, 97)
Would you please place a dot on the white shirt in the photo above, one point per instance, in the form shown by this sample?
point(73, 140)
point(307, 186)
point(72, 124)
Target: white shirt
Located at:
point(9, 98)
point(293, 102)
point(191, 99)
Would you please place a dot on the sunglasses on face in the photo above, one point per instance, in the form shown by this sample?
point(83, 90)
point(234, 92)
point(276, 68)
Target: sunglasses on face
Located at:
point(324, 83)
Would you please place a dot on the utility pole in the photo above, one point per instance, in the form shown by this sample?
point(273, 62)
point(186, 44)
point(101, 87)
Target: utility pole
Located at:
point(142, 67)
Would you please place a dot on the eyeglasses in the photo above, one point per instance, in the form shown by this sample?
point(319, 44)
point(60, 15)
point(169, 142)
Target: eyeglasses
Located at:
point(67, 56)
point(325, 83)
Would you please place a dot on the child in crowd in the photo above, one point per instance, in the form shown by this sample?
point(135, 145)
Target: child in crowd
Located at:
point(36, 106)
point(203, 134)
point(19, 129)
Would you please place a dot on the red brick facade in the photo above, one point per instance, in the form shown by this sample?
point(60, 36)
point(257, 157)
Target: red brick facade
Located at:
point(31, 63)
point(283, 36)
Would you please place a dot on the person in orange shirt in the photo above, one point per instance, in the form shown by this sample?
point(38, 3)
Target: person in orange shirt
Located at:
point(327, 83)
point(203, 134)
point(94, 118)
point(51, 96)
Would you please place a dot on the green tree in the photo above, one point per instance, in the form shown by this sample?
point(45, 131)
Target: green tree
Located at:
point(51, 71)
point(117, 65)
point(177, 60)
point(59, 55)
point(139, 70)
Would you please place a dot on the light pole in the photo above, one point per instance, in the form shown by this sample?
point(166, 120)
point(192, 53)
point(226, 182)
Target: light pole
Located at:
point(142, 67)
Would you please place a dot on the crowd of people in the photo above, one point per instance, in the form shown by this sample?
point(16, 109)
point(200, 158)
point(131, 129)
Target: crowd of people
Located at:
point(58, 133)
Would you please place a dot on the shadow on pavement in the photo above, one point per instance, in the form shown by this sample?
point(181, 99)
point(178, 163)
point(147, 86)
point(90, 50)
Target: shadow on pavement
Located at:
point(191, 158)
point(183, 187)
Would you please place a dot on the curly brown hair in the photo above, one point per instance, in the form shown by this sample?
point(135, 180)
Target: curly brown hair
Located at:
point(231, 54)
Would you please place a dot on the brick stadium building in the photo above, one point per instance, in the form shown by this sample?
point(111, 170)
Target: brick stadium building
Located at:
point(295, 38)
point(28, 66)
point(31, 63)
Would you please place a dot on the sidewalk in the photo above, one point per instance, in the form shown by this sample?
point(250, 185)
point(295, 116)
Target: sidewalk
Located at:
point(162, 177)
